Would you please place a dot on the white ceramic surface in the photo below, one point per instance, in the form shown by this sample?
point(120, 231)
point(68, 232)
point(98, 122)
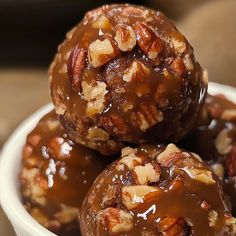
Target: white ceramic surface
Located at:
point(22, 222)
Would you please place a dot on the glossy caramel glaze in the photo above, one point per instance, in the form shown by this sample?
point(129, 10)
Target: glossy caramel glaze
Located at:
point(56, 175)
point(155, 190)
point(125, 74)
point(215, 140)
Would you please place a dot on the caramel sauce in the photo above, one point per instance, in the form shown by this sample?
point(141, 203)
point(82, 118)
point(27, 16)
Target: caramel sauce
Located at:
point(67, 168)
point(202, 140)
point(179, 196)
point(184, 94)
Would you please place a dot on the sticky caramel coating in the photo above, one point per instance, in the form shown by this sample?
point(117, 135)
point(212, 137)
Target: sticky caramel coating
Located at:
point(56, 175)
point(215, 140)
point(156, 190)
point(125, 74)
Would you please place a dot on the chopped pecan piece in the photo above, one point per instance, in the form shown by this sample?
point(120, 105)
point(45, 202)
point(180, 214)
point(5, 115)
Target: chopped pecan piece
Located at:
point(179, 45)
point(149, 173)
point(170, 149)
point(133, 196)
point(204, 176)
point(95, 95)
point(129, 158)
point(102, 23)
point(178, 66)
point(101, 52)
point(115, 220)
point(136, 71)
point(125, 37)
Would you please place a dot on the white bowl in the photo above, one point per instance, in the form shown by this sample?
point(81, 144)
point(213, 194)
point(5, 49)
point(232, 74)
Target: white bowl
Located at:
point(10, 163)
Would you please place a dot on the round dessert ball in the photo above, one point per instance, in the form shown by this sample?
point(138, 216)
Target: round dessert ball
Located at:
point(56, 175)
point(215, 140)
point(156, 190)
point(125, 74)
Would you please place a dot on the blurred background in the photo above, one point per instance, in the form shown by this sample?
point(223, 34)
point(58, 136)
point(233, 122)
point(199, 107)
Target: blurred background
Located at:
point(31, 30)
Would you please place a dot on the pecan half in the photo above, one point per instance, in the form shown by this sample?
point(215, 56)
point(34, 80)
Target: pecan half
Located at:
point(148, 41)
point(172, 226)
point(75, 67)
point(147, 116)
point(113, 124)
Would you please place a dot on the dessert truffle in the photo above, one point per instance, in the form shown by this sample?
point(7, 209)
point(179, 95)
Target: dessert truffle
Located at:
point(215, 140)
point(156, 190)
point(56, 175)
point(125, 74)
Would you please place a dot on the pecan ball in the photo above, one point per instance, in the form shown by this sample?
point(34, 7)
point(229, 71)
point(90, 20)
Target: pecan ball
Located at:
point(156, 190)
point(214, 139)
point(56, 175)
point(125, 74)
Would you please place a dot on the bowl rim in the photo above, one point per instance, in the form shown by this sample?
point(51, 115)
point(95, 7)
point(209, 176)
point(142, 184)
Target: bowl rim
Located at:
point(12, 204)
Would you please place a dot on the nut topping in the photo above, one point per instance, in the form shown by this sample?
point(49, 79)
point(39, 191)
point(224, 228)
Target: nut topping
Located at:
point(125, 37)
point(129, 158)
point(149, 173)
point(171, 226)
point(115, 220)
point(180, 46)
point(101, 52)
point(178, 66)
point(132, 196)
point(95, 95)
point(136, 71)
point(147, 116)
point(171, 148)
point(75, 67)
point(188, 62)
point(101, 23)
point(114, 124)
point(148, 41)
point(203, 176)
point(97, 134)
point(223, 142)
point(213, 216)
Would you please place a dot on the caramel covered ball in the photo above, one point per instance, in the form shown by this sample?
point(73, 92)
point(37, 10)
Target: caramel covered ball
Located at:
point(156, 190)
point(125, 74)
point(215, 140)
point(56, 175)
